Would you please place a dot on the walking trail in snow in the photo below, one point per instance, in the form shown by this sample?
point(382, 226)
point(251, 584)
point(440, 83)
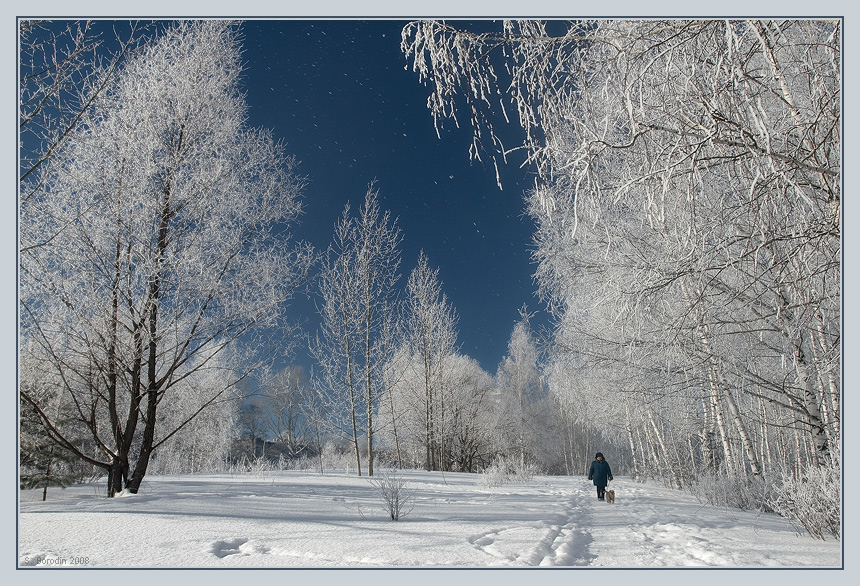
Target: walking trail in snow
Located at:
point(302, 519)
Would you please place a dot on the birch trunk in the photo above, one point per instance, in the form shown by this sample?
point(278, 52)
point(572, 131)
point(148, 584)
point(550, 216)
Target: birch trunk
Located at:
point(667, 460)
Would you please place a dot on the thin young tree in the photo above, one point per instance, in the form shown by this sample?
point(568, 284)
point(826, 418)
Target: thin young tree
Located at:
point(359, 302)
point(334, 346)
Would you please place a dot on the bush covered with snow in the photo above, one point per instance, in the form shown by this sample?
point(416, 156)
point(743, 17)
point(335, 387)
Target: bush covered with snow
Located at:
point(505, 469)
point(395, 497)
point(496, 474)
point(745, 492)
point(811, 502)
point(527, 472)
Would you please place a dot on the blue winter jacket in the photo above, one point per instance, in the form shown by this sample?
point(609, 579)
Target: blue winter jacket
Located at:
point(600, 473)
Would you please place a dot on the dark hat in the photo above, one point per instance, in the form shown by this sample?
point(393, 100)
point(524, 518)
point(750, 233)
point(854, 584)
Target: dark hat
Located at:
point(599, 455)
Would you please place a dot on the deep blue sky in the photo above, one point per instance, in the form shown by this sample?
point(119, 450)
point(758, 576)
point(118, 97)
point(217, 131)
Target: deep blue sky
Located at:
point(337, 93)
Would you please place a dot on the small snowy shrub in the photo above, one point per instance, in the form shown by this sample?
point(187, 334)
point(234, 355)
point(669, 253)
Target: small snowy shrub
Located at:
point(258, 466)
point(303, 463)
point(506, 469)
point(812, 501)
point(497, 473)
point(396, 499)
point(527, 472)
point(336, 458)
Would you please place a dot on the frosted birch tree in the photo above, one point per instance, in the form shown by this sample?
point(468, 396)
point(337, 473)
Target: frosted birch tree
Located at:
point(359, 304)
point(688, 211)
point(519, 381)
point(430, 328)
point(157, 248)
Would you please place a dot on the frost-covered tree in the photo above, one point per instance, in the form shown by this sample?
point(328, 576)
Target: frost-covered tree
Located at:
point(519, 382)
point(430, 323)
point(471, 414)
point(359, 306)
point(688, 211)
point(465, 409)
point(157, 248)
point(701, 226)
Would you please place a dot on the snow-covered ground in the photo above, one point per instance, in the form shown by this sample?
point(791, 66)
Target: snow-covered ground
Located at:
point(295, 519)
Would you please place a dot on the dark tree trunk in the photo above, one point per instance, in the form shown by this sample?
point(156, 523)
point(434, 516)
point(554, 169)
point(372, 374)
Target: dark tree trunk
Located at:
point(148, 440)
point(115, 477)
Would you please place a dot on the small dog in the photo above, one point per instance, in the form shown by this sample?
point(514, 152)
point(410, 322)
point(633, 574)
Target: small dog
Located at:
point(610, 496)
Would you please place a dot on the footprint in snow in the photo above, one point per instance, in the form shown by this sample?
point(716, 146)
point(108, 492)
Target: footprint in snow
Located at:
point(239, 546)
point(228, 547)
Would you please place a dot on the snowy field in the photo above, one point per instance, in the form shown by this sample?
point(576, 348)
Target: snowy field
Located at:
point(295, 519)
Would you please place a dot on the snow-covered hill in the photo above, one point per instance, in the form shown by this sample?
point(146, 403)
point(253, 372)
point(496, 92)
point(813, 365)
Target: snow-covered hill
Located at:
point(293, 519)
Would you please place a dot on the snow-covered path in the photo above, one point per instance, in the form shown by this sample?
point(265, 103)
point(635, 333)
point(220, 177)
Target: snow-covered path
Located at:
point(293, 519)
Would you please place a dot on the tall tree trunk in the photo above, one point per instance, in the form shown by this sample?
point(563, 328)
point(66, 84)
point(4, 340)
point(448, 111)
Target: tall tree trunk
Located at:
point(832, 381)
point(115, 477)
point(443, 460)
point(629, 429)
point(749, 448)
point(153, 385)
point(719, 383)
point(653, 462)
point(826, 387)
point(728, 452)
point(643, 453)
point(394, 426)
point(664, 451)
point(350, 381)
point(707, 436)
point(369, 440)
point(368, 371)
point(428, 406)
point(147, 441)
point(765, 459)
point(369, 415)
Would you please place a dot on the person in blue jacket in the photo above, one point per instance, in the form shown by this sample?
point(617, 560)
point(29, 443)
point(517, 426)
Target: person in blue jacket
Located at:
point(601, 474)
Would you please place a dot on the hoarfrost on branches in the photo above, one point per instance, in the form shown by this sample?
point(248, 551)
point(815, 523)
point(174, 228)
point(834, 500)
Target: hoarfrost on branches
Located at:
point(150, 248)
point(688, 225)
